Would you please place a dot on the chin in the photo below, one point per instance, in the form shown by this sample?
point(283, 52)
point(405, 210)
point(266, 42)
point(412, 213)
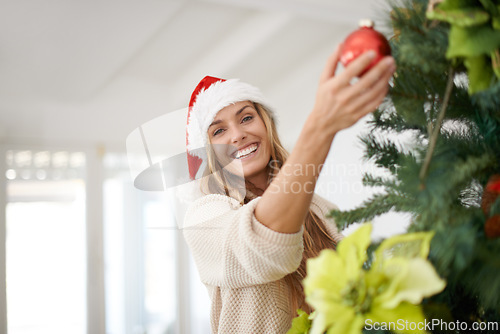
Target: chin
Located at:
point(254, 169)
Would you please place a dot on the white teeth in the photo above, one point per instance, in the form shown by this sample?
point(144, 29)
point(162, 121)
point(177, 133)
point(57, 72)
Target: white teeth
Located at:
point(246, 151)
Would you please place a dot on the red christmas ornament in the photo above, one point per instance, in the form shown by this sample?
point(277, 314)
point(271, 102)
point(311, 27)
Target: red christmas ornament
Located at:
point(492, 227)
point(494, 184)
point(490, 193)
point(364, 39)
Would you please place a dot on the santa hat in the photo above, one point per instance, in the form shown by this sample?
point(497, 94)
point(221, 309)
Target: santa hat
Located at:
point(209, 97)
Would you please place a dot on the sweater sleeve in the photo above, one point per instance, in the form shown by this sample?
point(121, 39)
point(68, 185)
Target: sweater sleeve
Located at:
point(231, 248)
point(322, 207)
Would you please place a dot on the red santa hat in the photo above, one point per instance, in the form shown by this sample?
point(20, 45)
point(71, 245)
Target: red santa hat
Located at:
point(209, 97)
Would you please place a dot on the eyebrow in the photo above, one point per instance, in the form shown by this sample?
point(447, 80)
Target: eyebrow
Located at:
point(236, 114)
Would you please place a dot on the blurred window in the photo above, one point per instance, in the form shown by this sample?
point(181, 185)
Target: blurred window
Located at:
point(45, 242)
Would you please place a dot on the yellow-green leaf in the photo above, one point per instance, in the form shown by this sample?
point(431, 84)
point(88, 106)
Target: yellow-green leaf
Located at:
point(480, 73)
point(408, 245)
point(410, 281)
point(300, 324)
point(353, 325)
point(456, 4)
point(404, 319)
point(472, 41)
point(496, 22)
point(321, 270)
point(353, 250)
point(467, 17)
point(340, 320)
point(496, 19)
point(495, 62)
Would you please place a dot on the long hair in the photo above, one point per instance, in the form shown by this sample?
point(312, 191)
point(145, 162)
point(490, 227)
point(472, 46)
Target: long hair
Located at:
point(315, 238)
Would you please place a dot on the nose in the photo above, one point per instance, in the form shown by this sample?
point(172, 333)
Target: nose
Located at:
point(237, 134)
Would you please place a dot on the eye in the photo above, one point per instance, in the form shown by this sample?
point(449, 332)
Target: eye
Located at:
point(218, 131)
point(246, 119)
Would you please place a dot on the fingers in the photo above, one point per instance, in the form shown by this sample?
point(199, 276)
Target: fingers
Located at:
point(369, 98)
point(331, 65)
point(383, 71)
point(370, 101)
point(343, 103)
point(383, 68)
point(355, 68)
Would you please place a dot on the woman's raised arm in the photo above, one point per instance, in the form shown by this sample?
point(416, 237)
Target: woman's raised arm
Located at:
point(339, 104)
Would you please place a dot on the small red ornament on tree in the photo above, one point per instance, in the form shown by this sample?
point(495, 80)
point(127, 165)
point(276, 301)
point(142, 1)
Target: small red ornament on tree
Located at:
point(494, 184)
point(492, 227)
point(364, 39)
point(490, 193)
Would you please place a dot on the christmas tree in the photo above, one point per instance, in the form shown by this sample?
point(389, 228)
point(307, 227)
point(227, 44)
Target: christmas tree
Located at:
point(446, 98)
point(436, 140)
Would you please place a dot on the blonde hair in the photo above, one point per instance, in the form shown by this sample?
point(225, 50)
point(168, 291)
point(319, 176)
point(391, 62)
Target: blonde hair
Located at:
point(315, 237)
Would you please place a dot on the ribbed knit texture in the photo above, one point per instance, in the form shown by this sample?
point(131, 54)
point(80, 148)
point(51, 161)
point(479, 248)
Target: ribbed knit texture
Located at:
point(242, 263)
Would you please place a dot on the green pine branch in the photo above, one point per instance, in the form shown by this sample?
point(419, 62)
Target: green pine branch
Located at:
point(375, 206)
point(438, 178)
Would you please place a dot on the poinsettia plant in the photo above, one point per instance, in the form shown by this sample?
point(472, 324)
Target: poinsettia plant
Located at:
point(346, 295)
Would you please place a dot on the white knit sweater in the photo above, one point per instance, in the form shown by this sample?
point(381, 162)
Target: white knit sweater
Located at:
point(242, 263)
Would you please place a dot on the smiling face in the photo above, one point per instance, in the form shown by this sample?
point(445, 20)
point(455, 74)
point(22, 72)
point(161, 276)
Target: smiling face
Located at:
point(238, 132)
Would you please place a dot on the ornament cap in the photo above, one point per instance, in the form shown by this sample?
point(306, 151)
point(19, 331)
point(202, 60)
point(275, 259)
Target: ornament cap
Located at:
point(366, 23)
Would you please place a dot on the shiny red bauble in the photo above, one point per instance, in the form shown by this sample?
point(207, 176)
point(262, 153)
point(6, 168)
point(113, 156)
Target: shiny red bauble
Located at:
point(492, 227)
point(364, 39)
point(490, 193)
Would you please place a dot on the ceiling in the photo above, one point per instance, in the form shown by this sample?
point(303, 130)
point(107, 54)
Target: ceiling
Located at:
point(90, 72)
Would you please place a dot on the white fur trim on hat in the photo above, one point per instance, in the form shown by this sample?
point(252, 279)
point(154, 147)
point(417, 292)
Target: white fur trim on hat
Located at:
point(210, 101)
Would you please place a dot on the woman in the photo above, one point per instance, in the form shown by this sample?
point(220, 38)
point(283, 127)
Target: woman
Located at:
point(250, 245)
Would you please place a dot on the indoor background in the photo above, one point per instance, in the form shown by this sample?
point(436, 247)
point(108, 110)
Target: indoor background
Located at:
point(81, 249)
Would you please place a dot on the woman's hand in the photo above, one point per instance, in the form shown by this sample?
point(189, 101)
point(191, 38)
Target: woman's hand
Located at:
point(339, 104)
